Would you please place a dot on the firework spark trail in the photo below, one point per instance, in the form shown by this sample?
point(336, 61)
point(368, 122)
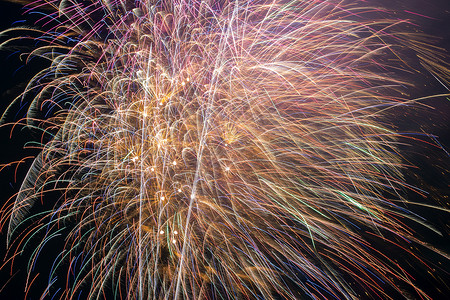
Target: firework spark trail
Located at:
point(230, 149)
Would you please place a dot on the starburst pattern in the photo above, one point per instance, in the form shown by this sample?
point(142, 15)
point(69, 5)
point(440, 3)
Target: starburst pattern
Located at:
point(219, 149)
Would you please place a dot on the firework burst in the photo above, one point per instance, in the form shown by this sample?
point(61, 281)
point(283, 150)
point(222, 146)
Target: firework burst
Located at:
point(218, 149)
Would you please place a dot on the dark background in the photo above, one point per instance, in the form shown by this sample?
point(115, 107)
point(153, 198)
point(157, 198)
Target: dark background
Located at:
point(431, 172)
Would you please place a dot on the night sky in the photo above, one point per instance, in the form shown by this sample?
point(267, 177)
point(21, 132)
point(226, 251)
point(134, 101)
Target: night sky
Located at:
point(431, 172)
